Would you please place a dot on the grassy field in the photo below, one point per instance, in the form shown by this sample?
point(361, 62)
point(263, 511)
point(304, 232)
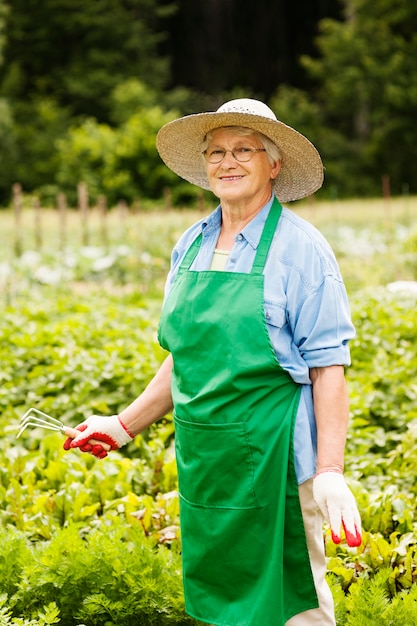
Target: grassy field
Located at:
point(372, 239)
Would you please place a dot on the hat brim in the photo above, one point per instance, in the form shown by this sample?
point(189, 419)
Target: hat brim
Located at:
point(179, 145)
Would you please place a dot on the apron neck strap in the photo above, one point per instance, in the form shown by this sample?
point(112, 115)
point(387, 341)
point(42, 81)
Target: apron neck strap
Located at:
point(190, 254)
point(263, 247)
point(267, 237)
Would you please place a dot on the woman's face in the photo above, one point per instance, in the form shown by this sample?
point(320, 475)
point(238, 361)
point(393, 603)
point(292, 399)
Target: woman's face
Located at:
point(234, 181)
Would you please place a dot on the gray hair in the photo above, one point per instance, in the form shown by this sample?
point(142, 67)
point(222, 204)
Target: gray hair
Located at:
point(271, 149)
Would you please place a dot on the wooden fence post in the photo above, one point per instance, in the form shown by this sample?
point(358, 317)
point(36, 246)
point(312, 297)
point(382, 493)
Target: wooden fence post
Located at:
point(102, 207)
point(386, 192)
point(84, 210)
point(62, 216)
point(123, 212)
point(37, 224)
point(201, 203)
point(17, 212)
point(168, 198)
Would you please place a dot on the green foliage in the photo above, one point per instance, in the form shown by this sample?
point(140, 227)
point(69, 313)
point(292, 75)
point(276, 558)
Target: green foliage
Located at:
point(111, 574)
point(367, 85)
point(370, 602)
point(3, 15)
point(36, 125)
point(73, 359)
point(62, 62)
point(92, 542)
point(78, 53)
point(48, 615)
point(384, 394)
point(121, 163)
point(8, 145)
point(295, 108)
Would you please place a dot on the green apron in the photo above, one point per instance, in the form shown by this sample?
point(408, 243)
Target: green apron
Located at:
point(244, 551)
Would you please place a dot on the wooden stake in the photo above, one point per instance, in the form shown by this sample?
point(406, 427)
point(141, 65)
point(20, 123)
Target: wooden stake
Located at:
point(102, 207)
point(84, 210)
point(38, 224)
point(17, 212)
point(62, 216)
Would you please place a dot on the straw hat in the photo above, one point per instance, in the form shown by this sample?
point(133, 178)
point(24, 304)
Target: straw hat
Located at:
point(179, 145)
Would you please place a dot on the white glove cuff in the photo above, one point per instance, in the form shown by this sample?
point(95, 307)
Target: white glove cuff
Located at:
point(112, 427)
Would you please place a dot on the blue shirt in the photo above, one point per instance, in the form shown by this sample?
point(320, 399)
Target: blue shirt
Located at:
point(305, 302)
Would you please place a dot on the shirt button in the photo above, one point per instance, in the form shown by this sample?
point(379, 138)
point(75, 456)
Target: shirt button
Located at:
point(239, 237)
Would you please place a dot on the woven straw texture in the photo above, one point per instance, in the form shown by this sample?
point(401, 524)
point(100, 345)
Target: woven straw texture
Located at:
point(179, 144)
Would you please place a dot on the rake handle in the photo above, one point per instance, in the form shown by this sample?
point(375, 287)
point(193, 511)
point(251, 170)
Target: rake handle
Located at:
point(73, 432)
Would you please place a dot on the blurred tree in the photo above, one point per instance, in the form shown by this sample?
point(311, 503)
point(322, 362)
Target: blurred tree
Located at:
point(36, 126)
point(8, 147)
point(121, 162)
point(63, 62)
point(60, 61)
point(77, 52)
point(3, 15)
point(367, 89)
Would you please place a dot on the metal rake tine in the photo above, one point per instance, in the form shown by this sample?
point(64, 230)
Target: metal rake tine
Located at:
point(22, 429)
point(37, 421)
point(44, 419)
point(48, 419)
point(29, 423)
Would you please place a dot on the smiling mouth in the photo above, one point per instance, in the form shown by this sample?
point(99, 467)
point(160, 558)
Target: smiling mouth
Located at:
point(231, 178)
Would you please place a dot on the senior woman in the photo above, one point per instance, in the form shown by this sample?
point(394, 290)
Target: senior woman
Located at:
point(256, 322)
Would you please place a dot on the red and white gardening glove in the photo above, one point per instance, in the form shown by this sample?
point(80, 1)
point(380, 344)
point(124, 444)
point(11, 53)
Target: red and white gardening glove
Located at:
point(99, 434)
point(338, 505)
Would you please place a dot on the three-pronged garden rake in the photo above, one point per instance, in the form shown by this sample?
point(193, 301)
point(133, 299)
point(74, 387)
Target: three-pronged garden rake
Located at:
point(37, 419)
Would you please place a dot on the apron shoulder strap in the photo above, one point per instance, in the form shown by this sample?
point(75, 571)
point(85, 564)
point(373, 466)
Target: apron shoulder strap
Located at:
point(267, 237)
point(190, 254)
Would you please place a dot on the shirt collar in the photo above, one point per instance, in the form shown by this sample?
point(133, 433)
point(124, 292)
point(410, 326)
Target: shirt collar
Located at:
point(213, 221)
point(252, 231)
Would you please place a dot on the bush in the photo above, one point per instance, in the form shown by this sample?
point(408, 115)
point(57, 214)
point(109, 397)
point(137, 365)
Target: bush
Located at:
point(110, 575)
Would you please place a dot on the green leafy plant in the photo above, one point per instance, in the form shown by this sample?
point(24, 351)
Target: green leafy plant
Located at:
point(92, 542)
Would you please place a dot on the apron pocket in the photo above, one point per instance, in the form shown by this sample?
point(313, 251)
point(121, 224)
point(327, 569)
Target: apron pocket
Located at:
point(215, 467)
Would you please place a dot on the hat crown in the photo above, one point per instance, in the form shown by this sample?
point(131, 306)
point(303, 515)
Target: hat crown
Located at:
point(247, 105)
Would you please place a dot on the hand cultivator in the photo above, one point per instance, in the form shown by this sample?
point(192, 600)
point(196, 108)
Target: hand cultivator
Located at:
point(38, 419)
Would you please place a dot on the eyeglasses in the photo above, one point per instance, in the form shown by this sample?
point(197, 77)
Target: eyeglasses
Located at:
point(242, 155)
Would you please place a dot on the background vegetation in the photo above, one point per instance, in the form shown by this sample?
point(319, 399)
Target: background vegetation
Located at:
point(84, 87)
point(94, 542)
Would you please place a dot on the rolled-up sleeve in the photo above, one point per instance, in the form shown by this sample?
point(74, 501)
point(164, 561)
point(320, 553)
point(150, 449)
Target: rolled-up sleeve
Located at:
point(323, 325)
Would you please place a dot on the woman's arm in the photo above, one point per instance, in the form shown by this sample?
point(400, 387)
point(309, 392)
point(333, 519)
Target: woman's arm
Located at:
point(152, 404)
point(331, 493)
point(331, 408)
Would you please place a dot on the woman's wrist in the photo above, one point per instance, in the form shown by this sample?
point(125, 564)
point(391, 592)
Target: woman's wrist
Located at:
point(131, 435)
point(335, 468)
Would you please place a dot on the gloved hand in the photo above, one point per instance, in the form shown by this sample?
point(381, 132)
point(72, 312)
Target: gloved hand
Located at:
point(338, 505)
point(106, 429)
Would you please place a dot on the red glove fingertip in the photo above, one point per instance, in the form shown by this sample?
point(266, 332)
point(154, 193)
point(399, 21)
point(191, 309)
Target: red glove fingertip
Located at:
point(353, 540)
point(335, 538)
point(67, 443)
point(98, 451)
